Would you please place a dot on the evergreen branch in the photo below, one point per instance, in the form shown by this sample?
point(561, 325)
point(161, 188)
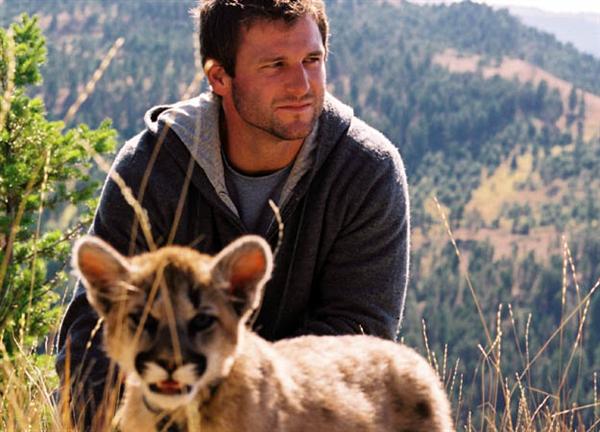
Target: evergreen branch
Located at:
point(5, 102)
point(14, 228)
point(66, 237)
point(35, 241)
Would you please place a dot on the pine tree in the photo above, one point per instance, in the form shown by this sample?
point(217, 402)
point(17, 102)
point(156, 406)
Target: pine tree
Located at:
point(43, 169)
point(573, 99)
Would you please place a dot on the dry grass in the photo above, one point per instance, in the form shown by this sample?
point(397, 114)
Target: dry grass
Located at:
point(556, 412)
point(26, 385)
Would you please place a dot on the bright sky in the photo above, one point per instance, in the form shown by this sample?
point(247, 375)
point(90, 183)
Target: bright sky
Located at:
point(572, 6)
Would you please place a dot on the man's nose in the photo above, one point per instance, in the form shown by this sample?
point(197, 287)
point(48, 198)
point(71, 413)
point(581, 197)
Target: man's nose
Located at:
point(298, 80)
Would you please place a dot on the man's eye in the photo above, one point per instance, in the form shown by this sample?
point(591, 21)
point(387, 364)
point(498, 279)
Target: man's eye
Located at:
point(275, 65)
point(313, 60)
point(201, 322)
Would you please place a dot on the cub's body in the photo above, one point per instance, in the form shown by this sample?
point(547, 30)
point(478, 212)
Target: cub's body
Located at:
point(175, 322)
point(328, 383)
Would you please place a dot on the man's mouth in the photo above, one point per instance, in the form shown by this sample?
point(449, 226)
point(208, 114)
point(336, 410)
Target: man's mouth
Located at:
point(296, 104)
point(170, 388)
point(296, 107)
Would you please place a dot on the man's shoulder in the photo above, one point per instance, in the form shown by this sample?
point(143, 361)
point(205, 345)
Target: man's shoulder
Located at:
point(369, 150)
point(173, 133)
point(136, 151)
point(361, 141)
point(147, 150)
point(365, 139)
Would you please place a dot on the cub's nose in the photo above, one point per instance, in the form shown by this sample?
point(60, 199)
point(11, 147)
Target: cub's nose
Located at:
point(167, 364)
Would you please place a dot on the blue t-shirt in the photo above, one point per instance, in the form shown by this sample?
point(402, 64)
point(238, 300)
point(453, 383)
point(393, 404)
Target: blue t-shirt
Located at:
point(251, 195)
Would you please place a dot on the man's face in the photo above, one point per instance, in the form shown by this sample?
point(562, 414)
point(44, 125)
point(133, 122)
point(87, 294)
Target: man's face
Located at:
point(279, 82)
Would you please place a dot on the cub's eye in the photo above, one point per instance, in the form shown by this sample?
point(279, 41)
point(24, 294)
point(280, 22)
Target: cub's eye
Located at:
point(150, 325)
point(135, 318)
point(201, 322)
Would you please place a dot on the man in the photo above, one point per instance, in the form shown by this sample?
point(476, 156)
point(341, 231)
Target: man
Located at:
point(205, 168)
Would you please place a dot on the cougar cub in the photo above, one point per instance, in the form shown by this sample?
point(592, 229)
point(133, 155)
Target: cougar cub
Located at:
point(175, 323)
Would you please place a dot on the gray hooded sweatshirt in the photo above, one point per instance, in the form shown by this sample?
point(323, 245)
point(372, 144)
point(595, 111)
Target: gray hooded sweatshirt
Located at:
point(342, 266)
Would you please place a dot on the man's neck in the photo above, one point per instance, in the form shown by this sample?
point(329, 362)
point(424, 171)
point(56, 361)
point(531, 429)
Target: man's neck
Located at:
point(258, 152)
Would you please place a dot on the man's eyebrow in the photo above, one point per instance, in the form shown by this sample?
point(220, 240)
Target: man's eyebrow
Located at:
point(273, 59)
point(319, 52)
point(270, 59)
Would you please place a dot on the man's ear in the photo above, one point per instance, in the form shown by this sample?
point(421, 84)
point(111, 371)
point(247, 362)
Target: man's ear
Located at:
point(219, 79)
point(102, 270)
point(242, 269)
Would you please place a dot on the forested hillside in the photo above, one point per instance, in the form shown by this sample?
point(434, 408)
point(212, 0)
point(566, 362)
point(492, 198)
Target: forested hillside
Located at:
point(498, 121)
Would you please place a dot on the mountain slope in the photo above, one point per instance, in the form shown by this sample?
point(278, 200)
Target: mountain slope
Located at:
point(511, 68)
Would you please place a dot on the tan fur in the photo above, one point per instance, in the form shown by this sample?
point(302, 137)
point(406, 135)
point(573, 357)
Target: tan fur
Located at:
point(309, 383)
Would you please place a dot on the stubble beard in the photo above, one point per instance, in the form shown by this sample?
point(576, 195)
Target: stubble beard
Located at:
point(253, 114)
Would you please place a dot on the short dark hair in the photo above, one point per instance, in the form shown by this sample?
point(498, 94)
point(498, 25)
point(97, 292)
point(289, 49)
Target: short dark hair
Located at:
point(220, 23)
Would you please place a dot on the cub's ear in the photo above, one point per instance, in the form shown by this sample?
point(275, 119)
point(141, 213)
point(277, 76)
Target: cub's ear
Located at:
point(242, 269)
point(101, 269)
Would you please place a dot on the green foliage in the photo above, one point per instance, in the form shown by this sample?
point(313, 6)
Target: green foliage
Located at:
point(43, 169)
point(29, 53)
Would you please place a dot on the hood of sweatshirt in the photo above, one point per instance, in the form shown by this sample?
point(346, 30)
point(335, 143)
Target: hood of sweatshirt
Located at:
point(196, 122)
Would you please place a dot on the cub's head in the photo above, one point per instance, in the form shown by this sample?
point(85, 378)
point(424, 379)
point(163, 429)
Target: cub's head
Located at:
point(173, 317)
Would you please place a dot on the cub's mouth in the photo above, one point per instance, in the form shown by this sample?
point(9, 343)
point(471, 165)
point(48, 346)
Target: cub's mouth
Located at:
point(170, 388)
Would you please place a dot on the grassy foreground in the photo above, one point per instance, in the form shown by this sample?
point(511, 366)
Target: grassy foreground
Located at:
point(28, 380)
